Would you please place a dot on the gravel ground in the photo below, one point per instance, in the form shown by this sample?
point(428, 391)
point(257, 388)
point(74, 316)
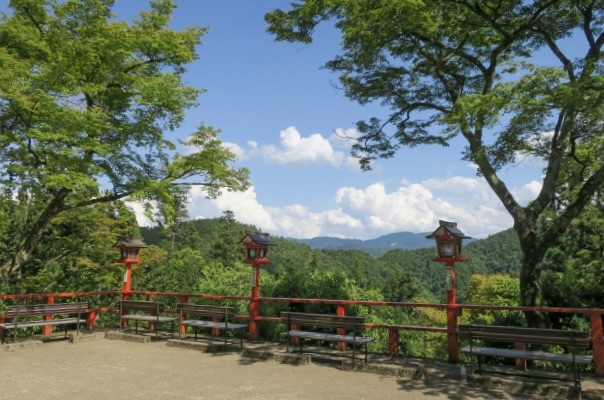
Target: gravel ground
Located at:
point(115, 369)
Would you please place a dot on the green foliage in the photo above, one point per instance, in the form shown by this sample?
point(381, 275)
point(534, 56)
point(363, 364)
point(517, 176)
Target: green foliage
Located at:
point(227, 281)
point(84, 105)
point(496, 290)
point(574, 274)
point(76, 252)
point(227, 247)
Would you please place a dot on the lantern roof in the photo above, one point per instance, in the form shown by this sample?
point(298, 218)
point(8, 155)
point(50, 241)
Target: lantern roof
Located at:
point(258, 238)
point(451, 227)
point(130, 241)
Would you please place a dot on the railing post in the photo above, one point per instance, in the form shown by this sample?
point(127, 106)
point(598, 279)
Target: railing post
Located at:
point(520, 362)
point(597, 342)
point(452, 312)
point(254, 303)
point(393, 341)
point(91, 320)
point(47, 329)
point(184, 299)
point(341, 312)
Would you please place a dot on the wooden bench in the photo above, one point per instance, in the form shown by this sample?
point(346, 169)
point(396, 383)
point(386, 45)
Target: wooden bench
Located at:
point(221, 319)
point(571, 340)
point(72, 313)
point(148, 311)
point(295, 322)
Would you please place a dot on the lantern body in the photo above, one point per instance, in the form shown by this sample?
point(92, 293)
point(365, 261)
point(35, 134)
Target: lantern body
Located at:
point(256, 248)
point(129, 249)
point(448, 241)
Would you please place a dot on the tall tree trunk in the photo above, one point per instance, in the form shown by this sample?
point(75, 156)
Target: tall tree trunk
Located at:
point(12, 267)
point(530, 274)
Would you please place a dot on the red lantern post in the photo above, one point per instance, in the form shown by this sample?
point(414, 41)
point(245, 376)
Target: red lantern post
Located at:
point(129, 251)
point(448, 244)
point(256, 253)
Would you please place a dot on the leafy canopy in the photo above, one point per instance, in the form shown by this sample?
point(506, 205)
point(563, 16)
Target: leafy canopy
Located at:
point(87, 104)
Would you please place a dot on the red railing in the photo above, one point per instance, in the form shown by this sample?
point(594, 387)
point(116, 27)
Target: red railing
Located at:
point(595, 315)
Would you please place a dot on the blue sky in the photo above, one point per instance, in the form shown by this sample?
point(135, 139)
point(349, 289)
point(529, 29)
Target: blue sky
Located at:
point(278, 111)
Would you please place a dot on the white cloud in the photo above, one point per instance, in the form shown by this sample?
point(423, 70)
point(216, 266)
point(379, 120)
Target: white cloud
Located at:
point(295, 149)
point(371, 211)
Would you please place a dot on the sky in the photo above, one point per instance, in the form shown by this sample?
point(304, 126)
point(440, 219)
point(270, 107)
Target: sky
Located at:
point(281, 114)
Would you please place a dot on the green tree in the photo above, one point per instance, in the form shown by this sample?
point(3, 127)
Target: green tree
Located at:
point(76, 251)
point(85, 102)
point(227, 247)
point(402, 286)
point(456, 67)
point(497, 290)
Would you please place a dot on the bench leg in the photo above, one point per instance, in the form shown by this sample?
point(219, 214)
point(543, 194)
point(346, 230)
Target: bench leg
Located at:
point(301, 340)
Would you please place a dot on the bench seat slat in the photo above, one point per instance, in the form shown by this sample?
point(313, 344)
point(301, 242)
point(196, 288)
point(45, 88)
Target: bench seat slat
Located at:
point(328, 337)
point(323, 320)
point(525, 335)
point(206, 311)
point(211, 324)
point(29, 324)
point(528, 355)
point(149, 318)
point(34, 310)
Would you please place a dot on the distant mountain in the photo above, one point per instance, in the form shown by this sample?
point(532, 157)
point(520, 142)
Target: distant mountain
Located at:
point(377, 246)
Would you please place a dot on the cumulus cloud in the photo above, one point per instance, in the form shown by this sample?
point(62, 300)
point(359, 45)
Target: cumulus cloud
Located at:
point(371, 211)
point(295, 149)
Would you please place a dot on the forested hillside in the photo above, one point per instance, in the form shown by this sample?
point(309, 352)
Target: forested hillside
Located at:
point(398, 274)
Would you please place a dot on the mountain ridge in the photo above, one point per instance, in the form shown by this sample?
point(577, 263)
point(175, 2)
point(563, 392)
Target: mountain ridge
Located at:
point(377, 246)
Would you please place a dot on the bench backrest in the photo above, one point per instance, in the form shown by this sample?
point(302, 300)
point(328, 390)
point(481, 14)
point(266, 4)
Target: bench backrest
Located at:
point(201, 310)
point(34, 310)
point(322, 320)
point(509, 334)
point(139, 305)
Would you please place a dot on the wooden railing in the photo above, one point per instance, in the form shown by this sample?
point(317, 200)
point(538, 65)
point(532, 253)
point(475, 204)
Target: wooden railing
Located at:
point(595, 315)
